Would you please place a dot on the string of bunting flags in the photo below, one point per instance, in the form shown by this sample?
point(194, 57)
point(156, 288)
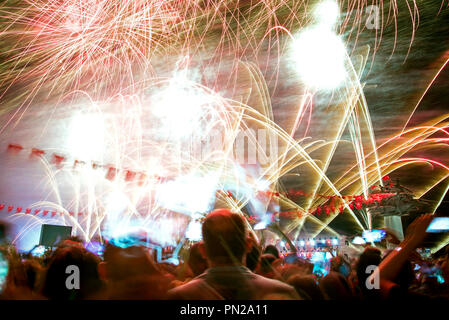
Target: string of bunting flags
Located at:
point(51, 213)
point(334, 203)
point(59, 160)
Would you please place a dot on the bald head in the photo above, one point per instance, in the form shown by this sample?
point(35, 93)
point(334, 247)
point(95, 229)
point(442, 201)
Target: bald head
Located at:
point(224, 236)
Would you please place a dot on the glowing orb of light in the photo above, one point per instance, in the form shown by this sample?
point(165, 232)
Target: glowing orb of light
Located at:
point(116, 203)
point(260, 226)
point(180, 108)
point(358, 240)
point(327, 12)
point(188, 194)
point(86, 139)
point(320, 58)
point(193, 232)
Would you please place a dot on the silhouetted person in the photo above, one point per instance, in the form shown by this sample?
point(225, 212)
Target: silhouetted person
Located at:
point(270, 249)
point(306, 286)
point(55, 282)
point(253, 256)
point(196, 262)
point(226, 243)
point(130, 273)
point(370, 257)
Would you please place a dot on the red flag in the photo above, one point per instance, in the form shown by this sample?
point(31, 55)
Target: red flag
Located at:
point(142, 179)
point(14, 147)
point(112, 172)
point(37, 152)
point(2, 206)
point(57, 159)
point(129, 175)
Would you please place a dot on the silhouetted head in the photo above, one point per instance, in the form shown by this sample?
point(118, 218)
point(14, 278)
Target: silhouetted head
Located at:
point(196, 261)
point(306, 286)
point(336, 287)
point(225, 237)
point(131, 273)
point(120, 263)
point(270, 249)
point(370, 257)
point(66, 266)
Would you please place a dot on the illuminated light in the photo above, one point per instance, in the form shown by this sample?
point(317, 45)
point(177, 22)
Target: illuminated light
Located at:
point(302, 243)
point(312, 242)
point(86, 139)
point(193, 194)
point(172, 260)
point(320, 58)
point(260, 226)
point(358, 240)
point(116, 203)
point(335, 242)
point(180, 107)
point(193, 232)
point(327, 12)
point(282, 244)
point(262, 184)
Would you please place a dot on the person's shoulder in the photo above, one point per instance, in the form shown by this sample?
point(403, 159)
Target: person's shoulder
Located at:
point(273, 285)
point(268, 281)
point(191, 288)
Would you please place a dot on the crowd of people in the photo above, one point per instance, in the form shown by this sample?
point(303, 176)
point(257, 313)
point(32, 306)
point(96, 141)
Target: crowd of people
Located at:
point(229, 264)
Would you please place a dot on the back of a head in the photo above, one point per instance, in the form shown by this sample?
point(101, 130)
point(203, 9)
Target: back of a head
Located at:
point(128, 262)
point(306, 285)
point(370, 257)
point(131, 273)
point(33, 270)
point(196, 261)
point(224, 236)
point(266, 263)
point(336, 287)
point(270, 249)
point(55, 283)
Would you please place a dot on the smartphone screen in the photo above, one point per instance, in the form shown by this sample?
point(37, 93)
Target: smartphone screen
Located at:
point(373, 235)
point(439, 224)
